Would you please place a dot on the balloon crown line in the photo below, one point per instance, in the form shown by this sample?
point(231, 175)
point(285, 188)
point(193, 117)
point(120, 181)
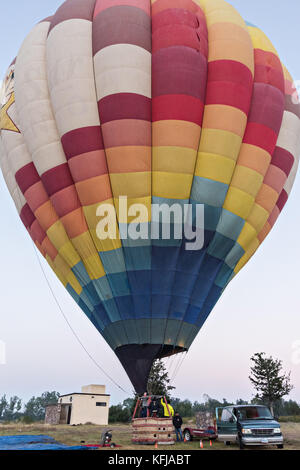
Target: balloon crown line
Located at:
point(162, 222)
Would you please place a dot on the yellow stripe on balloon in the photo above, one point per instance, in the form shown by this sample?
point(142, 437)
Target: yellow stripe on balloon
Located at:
point(247, 180)
point(247, 235)
point(260, 40)
point(221, 142)
point(238, 202)
point(172, 185)
point(244, 260)
point(132, 201)
point(173, 159)
point(215, 167)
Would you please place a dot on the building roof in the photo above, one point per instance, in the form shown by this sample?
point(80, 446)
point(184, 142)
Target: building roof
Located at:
point(90, 394)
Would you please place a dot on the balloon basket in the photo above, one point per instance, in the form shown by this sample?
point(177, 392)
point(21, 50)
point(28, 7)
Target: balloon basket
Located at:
point(149, 431)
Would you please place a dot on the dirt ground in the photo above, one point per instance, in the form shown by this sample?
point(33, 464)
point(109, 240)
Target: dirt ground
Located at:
point(73, 435)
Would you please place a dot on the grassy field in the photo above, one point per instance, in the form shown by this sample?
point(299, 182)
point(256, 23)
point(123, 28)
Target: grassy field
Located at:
point(73, 435)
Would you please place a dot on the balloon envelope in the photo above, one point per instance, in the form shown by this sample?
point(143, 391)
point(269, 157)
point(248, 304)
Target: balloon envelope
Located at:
point(164, 102)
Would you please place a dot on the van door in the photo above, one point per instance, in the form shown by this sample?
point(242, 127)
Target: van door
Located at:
point(226, 425)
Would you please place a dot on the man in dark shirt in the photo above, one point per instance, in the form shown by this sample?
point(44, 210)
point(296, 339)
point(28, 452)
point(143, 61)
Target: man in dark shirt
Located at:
point(144, 404)
point(177, 422)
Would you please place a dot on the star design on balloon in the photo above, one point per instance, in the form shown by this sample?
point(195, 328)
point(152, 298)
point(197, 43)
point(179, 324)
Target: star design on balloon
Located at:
point(6, 123)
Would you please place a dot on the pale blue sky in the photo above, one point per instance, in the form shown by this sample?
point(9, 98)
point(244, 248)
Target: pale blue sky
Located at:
point(260, 310)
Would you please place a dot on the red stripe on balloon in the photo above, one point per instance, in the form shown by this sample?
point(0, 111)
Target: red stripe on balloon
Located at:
point(27, 216)
point(191, 80)
point(178, 107)
point(65, 201)
point(230, 71)
point(283, 160)
point(161, 5)
point(270, 76)
point(124, 106)
point(88, 165)
point(282, 200)
point(121, 25)
point(84, 140)
point(102, 5)
point(267, 59)
point(57, 179)
point(175, 16)
point(27, 177)
point(230, 94)
point(37, 233)
point(73, 9)
point(267, 106)
point(261, 136)
point(178, 35)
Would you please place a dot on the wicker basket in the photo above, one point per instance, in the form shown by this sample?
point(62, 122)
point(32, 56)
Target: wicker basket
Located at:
point(148, 431)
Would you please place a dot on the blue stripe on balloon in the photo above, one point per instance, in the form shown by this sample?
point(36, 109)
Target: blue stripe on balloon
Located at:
point(81, 273)
point(223, 276)
point(113, 261)
point(206, 191)
point(230, 225)
point(125, 307)
point(250, 24)
point(111, 310)
point(163, 259)
point(141, 280)
point(234, 256)
point(160, 305)
point(102, 287)
point(119, 284)
point(138, 258)
point(220, 246)
point(143, 305)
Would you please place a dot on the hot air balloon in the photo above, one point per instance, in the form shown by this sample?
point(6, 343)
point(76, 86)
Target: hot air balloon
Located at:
point(161, 101)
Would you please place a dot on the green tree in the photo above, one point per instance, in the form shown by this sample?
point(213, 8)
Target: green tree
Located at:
point(10, 410)
point(183, 407)
point(3, 405)
point(129, 404)
point(35, 407)
point(287, 408)
point(159, 381)
point(119, 414)
point(291, 408)
point(270, 383)
point(240, 401)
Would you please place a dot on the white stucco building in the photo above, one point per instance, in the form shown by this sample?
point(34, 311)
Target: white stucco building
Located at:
point(91, 405)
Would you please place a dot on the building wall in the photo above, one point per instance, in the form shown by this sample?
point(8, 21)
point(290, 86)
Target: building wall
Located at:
point(85, 409)
point(93, 389)
point(52, 414)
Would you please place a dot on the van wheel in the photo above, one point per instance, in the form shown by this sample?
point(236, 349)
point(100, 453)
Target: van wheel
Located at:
point(280, 446)
point(227, 443)
point(241, 445)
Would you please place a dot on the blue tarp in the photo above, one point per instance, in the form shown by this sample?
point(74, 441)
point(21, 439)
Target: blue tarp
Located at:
point(40, 442)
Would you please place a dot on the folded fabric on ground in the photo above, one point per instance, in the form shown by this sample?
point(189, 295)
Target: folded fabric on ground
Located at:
point(40, 442)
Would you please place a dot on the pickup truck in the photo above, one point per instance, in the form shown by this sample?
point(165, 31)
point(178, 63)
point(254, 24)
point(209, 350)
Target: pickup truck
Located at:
point(205, 428)
point(248, 425)
point(190, 433)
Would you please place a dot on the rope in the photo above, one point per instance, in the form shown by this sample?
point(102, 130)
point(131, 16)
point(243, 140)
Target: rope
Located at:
point(71, 328)
point(176, 371)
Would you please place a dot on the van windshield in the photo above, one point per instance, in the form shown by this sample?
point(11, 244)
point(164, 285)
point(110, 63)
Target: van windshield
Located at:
point(253, 412)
